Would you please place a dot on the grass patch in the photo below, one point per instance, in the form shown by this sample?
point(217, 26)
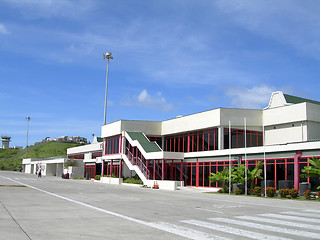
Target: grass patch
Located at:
point(11, 159)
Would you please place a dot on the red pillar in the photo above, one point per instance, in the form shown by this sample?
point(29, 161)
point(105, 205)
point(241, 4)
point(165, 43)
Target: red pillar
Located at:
point(120, 169)
point(181, 168)
point(102, 169)
point(162, 173)
point(297, 169)
point(154, 169)
point(111, 168)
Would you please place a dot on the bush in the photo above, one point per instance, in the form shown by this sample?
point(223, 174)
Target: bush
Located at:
point(271, 191)
point(97, 177)
point(318, 194)
point(294, 193)
point(307, 194)
point(284, 192)
point(257, 191)
point(237, 191)
point(133, 180)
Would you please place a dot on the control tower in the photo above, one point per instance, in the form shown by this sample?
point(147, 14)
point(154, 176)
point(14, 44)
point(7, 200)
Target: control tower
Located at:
point(5, 141)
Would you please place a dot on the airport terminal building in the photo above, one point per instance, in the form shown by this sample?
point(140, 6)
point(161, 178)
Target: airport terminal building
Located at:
point(189, 148)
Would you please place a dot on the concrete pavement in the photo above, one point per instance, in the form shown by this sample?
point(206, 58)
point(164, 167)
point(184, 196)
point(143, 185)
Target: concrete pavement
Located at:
point(55, 208)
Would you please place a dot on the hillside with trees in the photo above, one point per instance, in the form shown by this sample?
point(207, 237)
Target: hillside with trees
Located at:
point(11, 159)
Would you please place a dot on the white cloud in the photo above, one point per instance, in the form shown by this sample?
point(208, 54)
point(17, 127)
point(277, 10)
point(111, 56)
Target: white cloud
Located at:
point(256, 97)
point(157, 101)
point(3, 29)
point(50, 8)
point(290, 22)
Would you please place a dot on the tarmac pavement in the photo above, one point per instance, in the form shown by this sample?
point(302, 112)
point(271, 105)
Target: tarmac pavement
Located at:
point(56, 208)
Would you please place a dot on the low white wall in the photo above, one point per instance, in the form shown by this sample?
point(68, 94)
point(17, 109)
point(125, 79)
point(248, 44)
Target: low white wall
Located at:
point(165, 185)
point(27, 168)
point(111, 180)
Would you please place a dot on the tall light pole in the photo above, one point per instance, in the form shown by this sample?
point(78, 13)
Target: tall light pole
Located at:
point(108, 56)
point(28, 119)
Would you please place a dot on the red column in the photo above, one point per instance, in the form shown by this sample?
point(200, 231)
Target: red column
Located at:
point(102, 169)
point(297, 169)
point(120, 169)
point(154, 169)
point(162, 174)
point(181, 168)
point(111, 168)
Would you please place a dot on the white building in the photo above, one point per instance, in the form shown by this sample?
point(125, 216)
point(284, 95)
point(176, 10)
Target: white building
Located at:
point(187, 149)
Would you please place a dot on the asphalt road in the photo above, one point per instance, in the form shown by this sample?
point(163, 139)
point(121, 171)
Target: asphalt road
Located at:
point(55, 208)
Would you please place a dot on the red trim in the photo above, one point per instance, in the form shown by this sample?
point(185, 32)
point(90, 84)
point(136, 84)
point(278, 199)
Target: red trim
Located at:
point(297, 169)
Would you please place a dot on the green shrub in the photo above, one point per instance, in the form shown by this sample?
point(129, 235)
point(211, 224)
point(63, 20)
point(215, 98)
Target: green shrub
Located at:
point(307, 194)
point(318, 194)
point(97, 177)
point(271, 191)
point(257, 191)
point(237, 191)
point(133, 180)
point(220, 190)
point(294, 193)
point(284, 192)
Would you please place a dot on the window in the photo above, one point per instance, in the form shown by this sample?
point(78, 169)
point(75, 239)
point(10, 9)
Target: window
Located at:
point(76, 156)
point(112, 145)
point(254, 138)
point(195, 141)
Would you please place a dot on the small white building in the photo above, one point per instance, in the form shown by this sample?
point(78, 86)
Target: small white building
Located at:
point(55, 166)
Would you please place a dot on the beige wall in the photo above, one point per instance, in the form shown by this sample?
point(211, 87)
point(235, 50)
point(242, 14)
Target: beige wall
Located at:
point(236, 116)
point(147, 127)
point(111, 129)
point(313, 130)
point(192, 122)
point(286, 114)
point(285, 133)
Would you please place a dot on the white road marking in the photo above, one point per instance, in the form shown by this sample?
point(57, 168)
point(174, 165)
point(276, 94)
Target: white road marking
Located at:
point(285, 223)
point(303, 214)
point(163, 203)
point(170, 228)
point(231, 230)
point(288, 217)
point(207, 210)
point(186, 232)
point(269, 228)
point(310, 210)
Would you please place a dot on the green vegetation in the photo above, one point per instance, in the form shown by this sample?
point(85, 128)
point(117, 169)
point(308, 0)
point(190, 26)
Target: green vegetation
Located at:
point(11, 159)
point(313, 170)
point(133, 180)
point(237, 176)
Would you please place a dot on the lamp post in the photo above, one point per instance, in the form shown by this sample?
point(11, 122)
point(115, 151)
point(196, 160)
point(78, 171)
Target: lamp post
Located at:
point(28, 119)
point(108, 56)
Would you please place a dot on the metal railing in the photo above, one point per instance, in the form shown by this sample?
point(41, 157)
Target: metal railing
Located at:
point(139, 163)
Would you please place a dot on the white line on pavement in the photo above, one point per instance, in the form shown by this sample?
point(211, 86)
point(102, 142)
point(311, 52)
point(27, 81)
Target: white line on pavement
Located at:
point(288, 217)
point(231, 230)
point(316, 215)
point(280, 222)
point(180, 231)
point(269, 228)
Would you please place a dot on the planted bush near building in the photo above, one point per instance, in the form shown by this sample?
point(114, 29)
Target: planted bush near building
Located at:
point(307, 194)
point(271, 191)
point(284, 192)
point(294, 193)
point(257, 191)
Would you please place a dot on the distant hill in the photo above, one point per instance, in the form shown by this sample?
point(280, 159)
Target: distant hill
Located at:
point(11, 159)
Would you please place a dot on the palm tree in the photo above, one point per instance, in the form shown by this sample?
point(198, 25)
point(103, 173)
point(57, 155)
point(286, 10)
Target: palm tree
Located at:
point(254, 174)
point(221, 177)
point(313, 170)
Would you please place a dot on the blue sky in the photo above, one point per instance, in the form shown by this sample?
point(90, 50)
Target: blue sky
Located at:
point(171, 58)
